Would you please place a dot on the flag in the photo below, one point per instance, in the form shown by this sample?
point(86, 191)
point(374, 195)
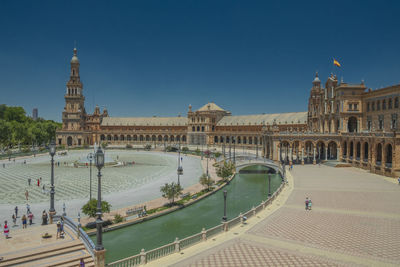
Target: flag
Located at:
point(336, 63)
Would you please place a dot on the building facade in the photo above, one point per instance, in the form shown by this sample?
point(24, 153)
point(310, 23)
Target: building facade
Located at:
point(344, 122)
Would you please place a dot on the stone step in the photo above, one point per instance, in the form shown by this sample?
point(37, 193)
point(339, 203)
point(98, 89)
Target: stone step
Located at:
point(41, 253)
point(75, 262)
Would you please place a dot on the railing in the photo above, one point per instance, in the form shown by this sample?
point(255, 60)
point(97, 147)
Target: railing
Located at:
point(80, 233)
point(176, 246)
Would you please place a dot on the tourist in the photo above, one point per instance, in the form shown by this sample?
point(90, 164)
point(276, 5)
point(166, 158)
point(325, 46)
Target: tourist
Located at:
point(23, 221)
point(309, 204)
point(28, 208)
point(40, 179)
point(58, 230)
point(30, 217)
point(6, 230)
point(16, 211)
point(398, 180)
point(38, 183)
point(29, 181)
point(26, 195)
point(62, 233)
point(44, 189)
point(82, 263)
point(14, 219)
point(306, 202)
point(44, 218)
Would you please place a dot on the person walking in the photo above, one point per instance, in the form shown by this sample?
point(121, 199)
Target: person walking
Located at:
point(6, 230)
point(82, 263)
point(30, 217)
point(44, 218)
point(58, 230)
point(306, 202)
point(29, 181)
point(28, 208)
point(44, 189)
point(23, 221)
point(16, 211)
point(398, 180)
point(14, 218)
point(26, 195)
point(309, 204)
point(38, 183)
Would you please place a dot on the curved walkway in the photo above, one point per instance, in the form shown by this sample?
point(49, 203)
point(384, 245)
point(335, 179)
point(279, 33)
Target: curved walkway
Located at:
point(355, 221)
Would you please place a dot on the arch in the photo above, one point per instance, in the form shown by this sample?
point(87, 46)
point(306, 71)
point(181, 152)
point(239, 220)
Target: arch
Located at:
point(379, 154)
point(332, 150)
point(352, 125)
point(171, 138)
point(147, 137)
point(358, 150)
point(178, 138)
point(135, 137)
point(102, 137)
point(221, 139)
point(216, 139)
point(198, 128)
point(193, 129)
point(122, 138)
point(366, 151)
point(165, 137)
point(109, 137)
point(153, 138)
point(344, 149)
point(183, 138)
point(255, 140)
point(388, 155)
point(320, 150)
point(115, 137)
point(141, 138)
point(159, 138)
point(69, 141)
point(129, 137)
point(244, 140)
point(239, 141)
point(250, 140)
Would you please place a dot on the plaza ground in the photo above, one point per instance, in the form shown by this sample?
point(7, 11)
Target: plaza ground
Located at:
point(355, 221)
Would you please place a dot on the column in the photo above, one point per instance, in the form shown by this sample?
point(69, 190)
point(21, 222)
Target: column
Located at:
point(314, 161)
point(290, 155)
point(279, 154)
point(302, 155)
point(326, 153)
point(338, 154)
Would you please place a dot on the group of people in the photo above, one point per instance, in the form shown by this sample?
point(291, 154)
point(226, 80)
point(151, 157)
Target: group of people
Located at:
point(308, 203)
point(25, 217)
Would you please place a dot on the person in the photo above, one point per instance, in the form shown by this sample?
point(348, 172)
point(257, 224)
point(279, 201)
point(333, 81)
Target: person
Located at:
point(82, 263)
point(6, 230)
point(29, 181)
point(58, 229)
point(26, 195)
point(62, 233)
point(23, 221)
point(14, 218)
point(44, 189)
point(306, 202)
point(309, 204)
point(16, 211)
point(28, 208)
point(38, 182)
point(30, 217)
point(40, 179)
point(44, 218)
point(398, 180)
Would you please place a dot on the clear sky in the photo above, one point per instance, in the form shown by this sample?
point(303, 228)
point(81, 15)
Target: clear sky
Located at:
point(145, 58)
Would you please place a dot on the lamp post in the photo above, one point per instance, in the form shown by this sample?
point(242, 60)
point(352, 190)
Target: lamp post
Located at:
point(90, 157)
point(99, 160)
point(180, 169)
point(225, 195)
point(269, 185)
point(257, 148)
point(207, 152)
point(52, 151)
point(230, 148)
point(234, 151)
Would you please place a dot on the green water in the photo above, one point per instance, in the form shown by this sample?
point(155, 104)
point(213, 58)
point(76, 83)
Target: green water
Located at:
point(244, 192)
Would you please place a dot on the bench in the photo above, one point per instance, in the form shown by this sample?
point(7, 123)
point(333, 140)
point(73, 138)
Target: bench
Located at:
point(140, 211)
point(185, 195)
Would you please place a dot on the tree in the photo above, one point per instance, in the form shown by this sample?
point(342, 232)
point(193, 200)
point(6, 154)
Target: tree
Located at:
point(226, 170)
point(206, 181)
point(90, 208)
point(171, 191)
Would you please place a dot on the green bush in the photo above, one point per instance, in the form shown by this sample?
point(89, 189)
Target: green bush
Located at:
point(90, 208)
point(147, 147)
point(118, 218)
point(104, 145)
point(217, 154)
point(171, 149)
point(26, 150)
point(129, 146)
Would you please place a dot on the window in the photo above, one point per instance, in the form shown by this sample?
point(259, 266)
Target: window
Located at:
point(355, 106)
point(213, 128)
point(367, 106)
point(384, 104)
point(350, 106)
point(369, 123)
point(380, 119)
point(378, 105)
point(394, 121)
point(193, 129)
point(390, 103)
point(396, 102)
point(202, 128)
point(198, 128)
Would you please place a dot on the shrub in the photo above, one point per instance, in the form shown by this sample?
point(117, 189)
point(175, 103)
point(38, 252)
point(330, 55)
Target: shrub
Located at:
point(90, 208)
point(129, 146)
point(217, 154)
point(104, 144)
point(92, 225)
point(171, 149)
point(118, 218)
point(147, 147)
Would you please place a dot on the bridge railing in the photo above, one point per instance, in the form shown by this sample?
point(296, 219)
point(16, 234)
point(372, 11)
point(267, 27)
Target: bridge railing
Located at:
point(178, 245)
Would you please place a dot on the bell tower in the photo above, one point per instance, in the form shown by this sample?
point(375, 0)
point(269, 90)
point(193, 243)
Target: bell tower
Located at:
point(74, 113)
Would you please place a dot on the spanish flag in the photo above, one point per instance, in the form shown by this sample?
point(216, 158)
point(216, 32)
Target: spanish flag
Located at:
point(336, 63)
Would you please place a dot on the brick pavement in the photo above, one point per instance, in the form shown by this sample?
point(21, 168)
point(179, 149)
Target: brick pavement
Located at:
point(355, 221)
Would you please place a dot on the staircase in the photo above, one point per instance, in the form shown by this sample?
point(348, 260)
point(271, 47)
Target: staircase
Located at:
point(66, 254)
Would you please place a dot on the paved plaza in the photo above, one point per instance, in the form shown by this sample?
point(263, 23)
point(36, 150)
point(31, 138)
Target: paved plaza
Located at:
point(355, 221)
point(121, 186)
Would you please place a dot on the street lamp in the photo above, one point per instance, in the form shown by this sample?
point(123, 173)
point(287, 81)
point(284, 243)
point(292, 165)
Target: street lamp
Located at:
point(207, 152)
point(99, 161)
point(225, 194)
point(180, 169)
point(234, 151)
point(52, 151)
point(90, 157)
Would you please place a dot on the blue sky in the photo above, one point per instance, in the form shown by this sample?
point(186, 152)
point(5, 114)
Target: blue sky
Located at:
point(145, 58)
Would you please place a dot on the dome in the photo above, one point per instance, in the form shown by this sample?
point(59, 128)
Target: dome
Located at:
point(316, 79)
point(74, 58)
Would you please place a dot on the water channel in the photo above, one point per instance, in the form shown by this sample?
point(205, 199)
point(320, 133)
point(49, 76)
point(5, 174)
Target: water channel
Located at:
point(244, 192)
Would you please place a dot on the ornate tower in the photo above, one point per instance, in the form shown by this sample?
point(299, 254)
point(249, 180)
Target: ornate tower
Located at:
point(74, 114)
